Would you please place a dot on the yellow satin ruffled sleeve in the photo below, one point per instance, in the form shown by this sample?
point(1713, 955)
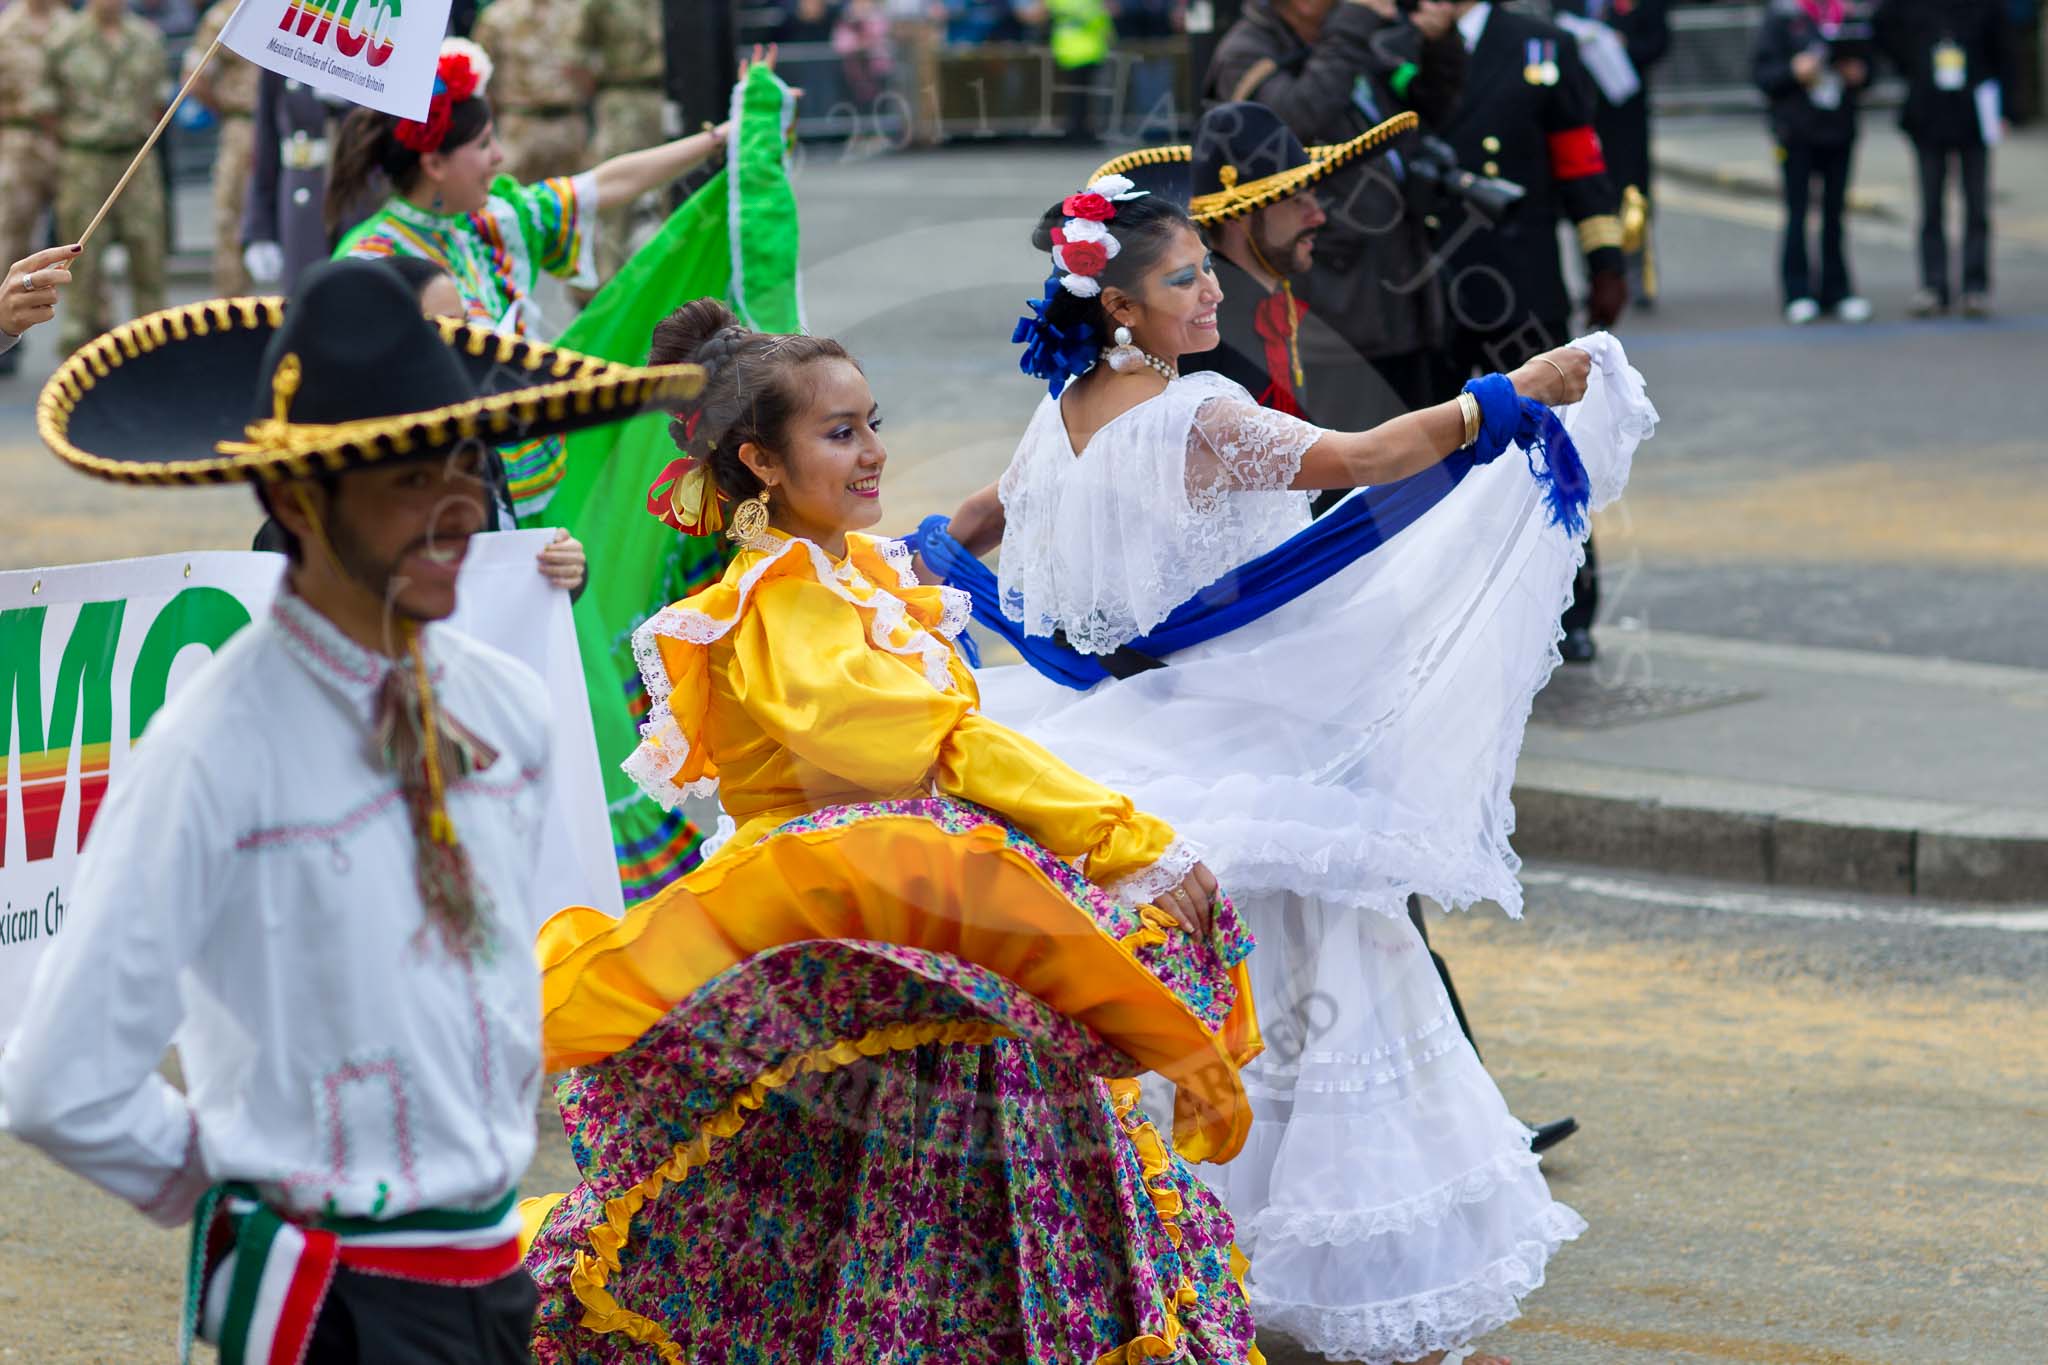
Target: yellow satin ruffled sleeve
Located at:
point(806, 672)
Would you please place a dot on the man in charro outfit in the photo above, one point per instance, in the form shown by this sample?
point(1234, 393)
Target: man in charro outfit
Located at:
point(102, 89)
point(227, 86)
point(622, 40)
point(1256, 192)
point(1331, 72)
point(1527, 116)
point(540, 86)
point(317, 867)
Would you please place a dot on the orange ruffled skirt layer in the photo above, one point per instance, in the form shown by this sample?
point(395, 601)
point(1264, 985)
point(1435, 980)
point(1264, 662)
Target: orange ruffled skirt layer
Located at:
point(841, 1096)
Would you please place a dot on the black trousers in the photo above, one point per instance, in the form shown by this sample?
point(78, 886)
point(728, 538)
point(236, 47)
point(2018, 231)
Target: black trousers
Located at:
point(376, 1320)
point(1443, 972)
point(1974, 160)
point(1805, 163)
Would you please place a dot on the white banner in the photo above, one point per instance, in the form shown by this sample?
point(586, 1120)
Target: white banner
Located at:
point(374, 52)
point(89, 653)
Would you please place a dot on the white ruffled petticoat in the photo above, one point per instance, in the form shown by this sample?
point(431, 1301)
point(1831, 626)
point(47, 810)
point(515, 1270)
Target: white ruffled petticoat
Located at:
point(1329, 759)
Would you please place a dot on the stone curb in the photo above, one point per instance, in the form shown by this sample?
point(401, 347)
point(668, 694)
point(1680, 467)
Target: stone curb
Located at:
point(1782, 836)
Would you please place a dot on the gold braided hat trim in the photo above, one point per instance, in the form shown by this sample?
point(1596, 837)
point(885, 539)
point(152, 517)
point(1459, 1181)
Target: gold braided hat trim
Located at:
point(566, 383)
point(1240, 197)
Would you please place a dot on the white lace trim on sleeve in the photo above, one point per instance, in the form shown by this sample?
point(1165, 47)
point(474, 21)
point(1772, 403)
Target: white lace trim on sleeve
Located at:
point(1148, 884)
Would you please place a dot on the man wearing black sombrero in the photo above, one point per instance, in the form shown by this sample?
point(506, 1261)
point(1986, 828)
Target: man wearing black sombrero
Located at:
point(1251, 186)
point(316, 867)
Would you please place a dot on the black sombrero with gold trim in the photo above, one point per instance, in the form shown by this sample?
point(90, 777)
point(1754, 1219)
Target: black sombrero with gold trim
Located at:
point(346, 374)
point(1244, 159)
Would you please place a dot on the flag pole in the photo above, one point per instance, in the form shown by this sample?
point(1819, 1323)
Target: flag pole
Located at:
point(158, 131)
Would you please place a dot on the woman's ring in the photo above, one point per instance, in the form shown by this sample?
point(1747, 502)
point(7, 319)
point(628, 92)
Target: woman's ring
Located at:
point(28, 282)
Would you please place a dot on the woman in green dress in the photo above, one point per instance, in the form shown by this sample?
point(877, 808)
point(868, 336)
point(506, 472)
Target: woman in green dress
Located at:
point(493, 235)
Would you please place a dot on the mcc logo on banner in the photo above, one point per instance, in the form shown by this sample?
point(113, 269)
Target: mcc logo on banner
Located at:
point(90, 653)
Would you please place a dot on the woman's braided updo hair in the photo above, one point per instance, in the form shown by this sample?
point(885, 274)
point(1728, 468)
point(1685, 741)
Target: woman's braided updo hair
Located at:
point(753, 387)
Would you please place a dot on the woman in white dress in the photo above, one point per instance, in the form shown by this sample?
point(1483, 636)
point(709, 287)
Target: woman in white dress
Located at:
point(1328, 759)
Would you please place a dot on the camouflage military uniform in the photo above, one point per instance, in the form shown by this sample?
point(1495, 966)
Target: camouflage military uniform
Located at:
point(231, 93)
point(104, 94)
point(539, 87)
point(623, 38)
point(28, 154)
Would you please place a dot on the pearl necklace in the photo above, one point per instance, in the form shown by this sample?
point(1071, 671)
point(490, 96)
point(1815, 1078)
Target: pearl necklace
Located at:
point(1160, 367)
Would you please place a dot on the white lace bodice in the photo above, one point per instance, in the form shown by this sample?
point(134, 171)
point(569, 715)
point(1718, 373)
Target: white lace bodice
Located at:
point(1167, 498)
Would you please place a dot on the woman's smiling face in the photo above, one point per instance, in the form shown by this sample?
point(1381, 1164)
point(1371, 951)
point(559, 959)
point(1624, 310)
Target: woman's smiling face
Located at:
point(827, 480)
point(1172, 313)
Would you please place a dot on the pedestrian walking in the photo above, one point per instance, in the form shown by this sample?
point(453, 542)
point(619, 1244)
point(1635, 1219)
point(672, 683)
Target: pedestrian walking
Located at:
point(227, 86)
point(1957, 57)
point(28, 153)
point(1812, 61)
point(622, 40)
point(541, 88)
point(105, 82)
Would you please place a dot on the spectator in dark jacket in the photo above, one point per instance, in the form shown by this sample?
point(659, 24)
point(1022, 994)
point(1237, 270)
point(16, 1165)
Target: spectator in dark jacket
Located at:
point(1812, 62)
point(1948, 51)
point(1331, 71)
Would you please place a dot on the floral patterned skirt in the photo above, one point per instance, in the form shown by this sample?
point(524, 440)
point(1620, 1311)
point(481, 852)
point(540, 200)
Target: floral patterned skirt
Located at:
point(849, 1150)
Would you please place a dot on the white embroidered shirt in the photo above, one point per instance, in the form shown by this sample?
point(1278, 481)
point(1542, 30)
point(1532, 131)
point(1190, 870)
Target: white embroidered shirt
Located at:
point(249, 888)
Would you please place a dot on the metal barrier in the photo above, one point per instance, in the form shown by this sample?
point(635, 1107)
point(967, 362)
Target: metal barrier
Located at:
point(995, 90)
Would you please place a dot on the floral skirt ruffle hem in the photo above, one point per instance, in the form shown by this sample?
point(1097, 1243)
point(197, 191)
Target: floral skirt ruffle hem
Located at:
point(849, 1150)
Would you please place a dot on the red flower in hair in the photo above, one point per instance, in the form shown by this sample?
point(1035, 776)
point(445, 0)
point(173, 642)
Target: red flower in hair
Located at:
point(1083, 258)
point(1088, 205)
point(425, 137)
point(455, 80)
point(458, 76)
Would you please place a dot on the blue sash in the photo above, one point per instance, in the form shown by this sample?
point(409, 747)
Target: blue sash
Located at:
point(1364, 521)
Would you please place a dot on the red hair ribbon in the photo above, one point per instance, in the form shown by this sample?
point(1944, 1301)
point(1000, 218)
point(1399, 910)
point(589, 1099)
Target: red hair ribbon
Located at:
point(685, 496)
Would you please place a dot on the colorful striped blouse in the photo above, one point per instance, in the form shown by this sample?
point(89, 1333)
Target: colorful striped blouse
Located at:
point(496, 255)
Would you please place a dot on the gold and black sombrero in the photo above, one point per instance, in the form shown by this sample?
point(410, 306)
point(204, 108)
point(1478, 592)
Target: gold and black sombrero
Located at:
point(343, 375)
point(1244, 159)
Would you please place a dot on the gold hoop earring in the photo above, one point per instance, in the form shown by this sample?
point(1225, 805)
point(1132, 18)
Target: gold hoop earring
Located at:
point(749, 519)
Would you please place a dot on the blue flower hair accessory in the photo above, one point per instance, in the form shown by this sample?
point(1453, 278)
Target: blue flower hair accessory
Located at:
point(1053, 353)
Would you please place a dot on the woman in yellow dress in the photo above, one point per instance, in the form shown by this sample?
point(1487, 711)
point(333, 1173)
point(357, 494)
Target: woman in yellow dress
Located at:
point(849, 1091)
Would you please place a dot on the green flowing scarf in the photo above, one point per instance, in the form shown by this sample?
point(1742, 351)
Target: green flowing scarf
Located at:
point(734, 239)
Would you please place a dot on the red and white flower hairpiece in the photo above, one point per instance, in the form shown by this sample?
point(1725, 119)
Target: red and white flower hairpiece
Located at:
point(1084, 245)
point(461, 73)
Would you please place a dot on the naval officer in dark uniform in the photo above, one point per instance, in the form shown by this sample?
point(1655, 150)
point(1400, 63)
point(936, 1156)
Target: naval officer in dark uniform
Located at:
point(1527, 116)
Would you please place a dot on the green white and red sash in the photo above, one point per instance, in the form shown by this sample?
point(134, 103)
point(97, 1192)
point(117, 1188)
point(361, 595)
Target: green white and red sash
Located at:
point(282, 1269)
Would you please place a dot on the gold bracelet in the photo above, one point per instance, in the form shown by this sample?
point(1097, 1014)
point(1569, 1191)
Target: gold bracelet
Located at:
point(1468, 408)
point(1559, 368)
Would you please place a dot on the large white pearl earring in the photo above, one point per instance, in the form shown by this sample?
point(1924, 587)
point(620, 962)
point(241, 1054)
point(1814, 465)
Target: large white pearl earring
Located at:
point(1124, 357)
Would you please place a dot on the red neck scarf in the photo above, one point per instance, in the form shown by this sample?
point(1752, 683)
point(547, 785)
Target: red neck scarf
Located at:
point(1277, 319)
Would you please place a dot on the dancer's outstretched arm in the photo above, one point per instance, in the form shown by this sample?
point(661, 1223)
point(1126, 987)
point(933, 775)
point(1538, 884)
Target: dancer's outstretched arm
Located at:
point(1413, 442)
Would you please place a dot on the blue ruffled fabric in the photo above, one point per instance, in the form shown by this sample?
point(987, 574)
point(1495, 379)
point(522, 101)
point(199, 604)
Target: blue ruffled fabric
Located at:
point(1364, 521)
point(1506, 418)
point(1054, 354)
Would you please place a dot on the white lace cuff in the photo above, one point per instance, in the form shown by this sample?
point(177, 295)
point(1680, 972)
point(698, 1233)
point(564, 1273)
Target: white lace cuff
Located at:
point(1148, 884)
